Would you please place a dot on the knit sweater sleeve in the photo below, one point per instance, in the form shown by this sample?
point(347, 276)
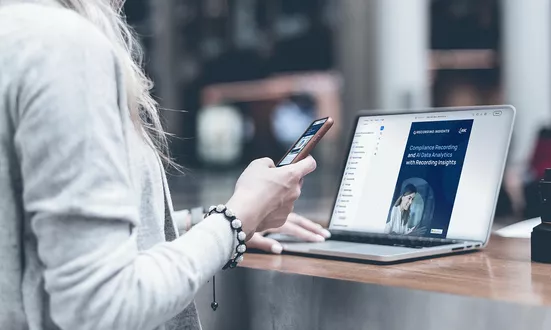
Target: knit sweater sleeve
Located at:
point(78, 191)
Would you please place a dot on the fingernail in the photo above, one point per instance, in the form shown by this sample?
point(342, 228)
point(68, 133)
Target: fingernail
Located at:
point(277, 249)
point(326, 233)
point(320, 238)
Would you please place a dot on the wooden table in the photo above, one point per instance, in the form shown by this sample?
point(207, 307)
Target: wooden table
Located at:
point(497, 288)
point(502, 272)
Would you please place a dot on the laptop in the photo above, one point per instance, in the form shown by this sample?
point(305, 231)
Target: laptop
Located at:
point(418, 184)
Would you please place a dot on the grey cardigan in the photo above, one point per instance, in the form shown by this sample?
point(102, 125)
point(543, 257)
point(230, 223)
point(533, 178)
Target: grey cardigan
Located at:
point(82, 210)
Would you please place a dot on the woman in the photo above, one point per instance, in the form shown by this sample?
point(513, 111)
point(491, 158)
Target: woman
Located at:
point(87, 238)
point(400, 213)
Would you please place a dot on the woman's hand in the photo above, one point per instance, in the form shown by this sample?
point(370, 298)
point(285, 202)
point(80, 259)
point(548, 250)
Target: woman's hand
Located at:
point(265, 195)
point(296, 226)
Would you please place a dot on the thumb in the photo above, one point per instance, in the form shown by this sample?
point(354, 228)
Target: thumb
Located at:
point(303, 167)
point(266, 162)
point(265, 244)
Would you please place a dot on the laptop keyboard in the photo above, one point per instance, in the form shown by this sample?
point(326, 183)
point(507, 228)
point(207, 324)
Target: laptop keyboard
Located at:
point(390, 240)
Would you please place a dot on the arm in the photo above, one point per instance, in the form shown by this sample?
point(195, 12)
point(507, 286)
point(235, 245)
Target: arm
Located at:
point(182, 219)
point(296, 226)
point(186, 219)
point(81, 199)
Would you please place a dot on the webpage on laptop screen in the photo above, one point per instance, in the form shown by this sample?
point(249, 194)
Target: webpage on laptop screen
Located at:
point(431, 175)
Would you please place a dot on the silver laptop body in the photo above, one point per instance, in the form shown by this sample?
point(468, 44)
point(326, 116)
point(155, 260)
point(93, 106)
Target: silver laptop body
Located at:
point(417, 184)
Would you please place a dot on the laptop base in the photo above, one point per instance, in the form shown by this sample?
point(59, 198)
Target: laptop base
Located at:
point(375, 253)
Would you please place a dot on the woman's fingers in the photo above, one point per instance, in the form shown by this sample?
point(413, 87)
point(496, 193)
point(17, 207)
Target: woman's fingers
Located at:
point(266, 162)
point(302, 168)
point(264, 197)
point(291, 228)
point(309, 225)
point(265, 244)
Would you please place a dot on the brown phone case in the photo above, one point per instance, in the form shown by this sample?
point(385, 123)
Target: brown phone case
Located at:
point(312, 143)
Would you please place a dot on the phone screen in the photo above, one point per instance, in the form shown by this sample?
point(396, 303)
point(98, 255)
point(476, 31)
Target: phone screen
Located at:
point(302, 142)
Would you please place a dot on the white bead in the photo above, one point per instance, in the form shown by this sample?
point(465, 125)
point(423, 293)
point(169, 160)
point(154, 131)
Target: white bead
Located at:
point(241, 236)
point(241, 248)
point(229, 213)
point(212, 208)
point(236, 224)
point(238, 260)
point(220, 208)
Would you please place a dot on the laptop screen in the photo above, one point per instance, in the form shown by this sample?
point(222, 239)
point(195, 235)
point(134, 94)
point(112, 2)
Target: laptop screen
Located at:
point(425, 174)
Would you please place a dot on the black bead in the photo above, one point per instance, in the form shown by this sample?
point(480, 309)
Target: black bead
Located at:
point(214, 306)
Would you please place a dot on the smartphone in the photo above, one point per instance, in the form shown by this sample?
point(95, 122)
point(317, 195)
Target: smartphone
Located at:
point(306, 143)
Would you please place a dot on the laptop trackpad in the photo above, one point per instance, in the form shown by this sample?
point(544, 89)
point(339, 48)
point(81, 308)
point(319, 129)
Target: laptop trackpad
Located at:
point(346, 247)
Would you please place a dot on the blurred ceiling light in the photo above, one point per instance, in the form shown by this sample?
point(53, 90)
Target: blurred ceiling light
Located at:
point(220, 133)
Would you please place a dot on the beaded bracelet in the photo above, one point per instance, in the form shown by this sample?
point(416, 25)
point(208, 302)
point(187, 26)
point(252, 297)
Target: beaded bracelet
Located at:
point(236, 225)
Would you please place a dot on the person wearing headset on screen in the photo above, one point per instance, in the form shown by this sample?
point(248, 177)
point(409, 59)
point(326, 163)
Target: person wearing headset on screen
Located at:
point(399, 215)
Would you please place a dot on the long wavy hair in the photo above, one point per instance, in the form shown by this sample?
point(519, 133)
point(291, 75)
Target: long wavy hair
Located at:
point(108, 16)
point(408, 190)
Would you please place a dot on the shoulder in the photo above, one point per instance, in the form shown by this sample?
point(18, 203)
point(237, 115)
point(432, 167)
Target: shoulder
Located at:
point(53, 56)
point(46, 47)
point(40, 31)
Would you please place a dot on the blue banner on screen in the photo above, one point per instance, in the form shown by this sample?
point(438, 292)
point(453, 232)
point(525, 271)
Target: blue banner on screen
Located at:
point(429, 177)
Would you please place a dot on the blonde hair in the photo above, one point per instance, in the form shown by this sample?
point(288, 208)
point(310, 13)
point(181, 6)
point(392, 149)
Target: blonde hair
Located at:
point(108, 16)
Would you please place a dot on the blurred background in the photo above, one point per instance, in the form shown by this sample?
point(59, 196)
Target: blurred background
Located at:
point(241, 79)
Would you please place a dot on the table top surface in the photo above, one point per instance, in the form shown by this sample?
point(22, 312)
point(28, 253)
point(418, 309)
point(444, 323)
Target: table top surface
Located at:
point(502, 272)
